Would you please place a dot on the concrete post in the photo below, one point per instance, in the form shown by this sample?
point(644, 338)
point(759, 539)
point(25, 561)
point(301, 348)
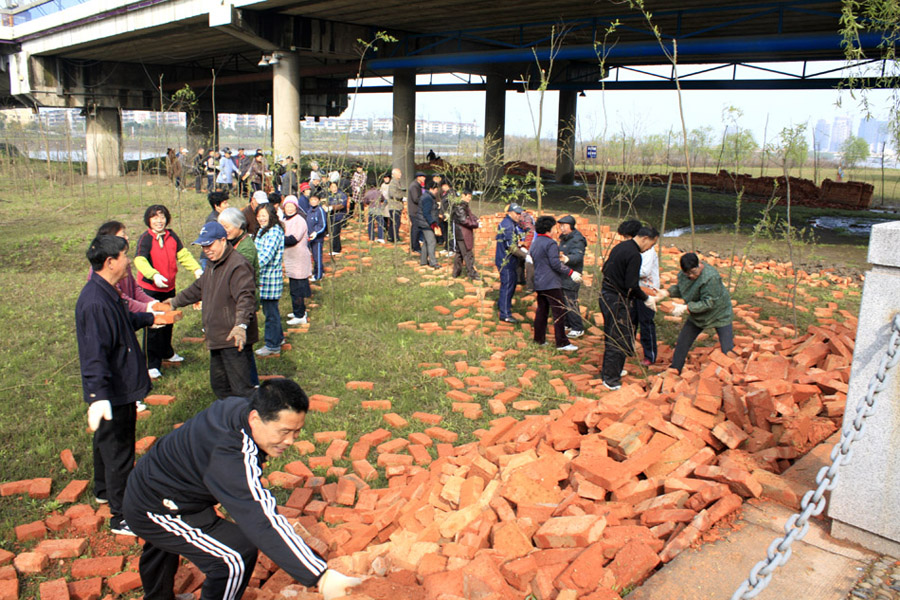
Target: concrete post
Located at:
point(404, 133)
point(494, 128)
point(103, 143)
point(286, 107)
point(565, 137)
point(864, 504)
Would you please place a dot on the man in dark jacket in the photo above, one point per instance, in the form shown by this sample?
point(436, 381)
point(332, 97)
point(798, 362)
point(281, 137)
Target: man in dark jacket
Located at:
point(113, 371)
point(505, 260)
point(413, 194)
point(426, 221)
point(228, 292)
point(621, 283)
point(215, 458)
point(549, 273)
point(571, 252)
point(198, 168)
point(464, 225)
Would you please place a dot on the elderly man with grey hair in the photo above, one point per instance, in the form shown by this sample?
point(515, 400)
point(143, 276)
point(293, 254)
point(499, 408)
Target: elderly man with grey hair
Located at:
point(394, 208)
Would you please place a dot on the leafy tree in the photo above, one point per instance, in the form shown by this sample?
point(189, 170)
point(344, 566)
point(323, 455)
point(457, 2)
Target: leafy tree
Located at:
point(854, 150)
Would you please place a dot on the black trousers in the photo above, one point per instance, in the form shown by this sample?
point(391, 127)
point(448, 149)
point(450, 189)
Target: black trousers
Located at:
point(464, 256)
point(550, 301)
point(217, 547)
point(159, 341)
point(336, 222)
point(573, 313)
point(114, 457)
point(393, 225)
point(619, 336)
point(231, 371)
point(644, 320)
point(688, 335)
point(415, 242)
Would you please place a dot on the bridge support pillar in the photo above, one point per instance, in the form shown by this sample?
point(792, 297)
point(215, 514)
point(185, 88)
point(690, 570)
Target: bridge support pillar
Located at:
point(286, 107)
point(404, 134)
point(565, 137)
point(103, 143)
point(494, 129)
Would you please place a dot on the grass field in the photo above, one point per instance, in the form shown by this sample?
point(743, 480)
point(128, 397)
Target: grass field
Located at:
point(353, 336)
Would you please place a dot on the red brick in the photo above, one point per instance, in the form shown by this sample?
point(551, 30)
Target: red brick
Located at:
point(284, 480)
point(586, 572)
point(35, 530)
point(68, 460)
point(142, 445)
point(104, 566)
point(376, 404)
point(360, 385)
point(73, 491)
point(14, 488)
point(336, 449)
point(30, 562)
point(9, 589)
point(346, 492)
point(124, 582)
point(374, 438)
point(360, 450)
point(439, 434)
point(395, 420)
point(40, 488)
point(365, 471)
point(87, 589)
point(436, 372)
point(62, 548)
point(420, 454)
point(87, 524)
point(633, 563)
point(299, 469)
point(570, 532)
point(601, 470)
point(519, 573)
point(57, 522)
point(739, 480)
point(680, 542)
point(388, 460)
point(159, 400)
point(459, 396)
point(428, 418)
point(658, 516)
point(729, 434)
point(54, 590)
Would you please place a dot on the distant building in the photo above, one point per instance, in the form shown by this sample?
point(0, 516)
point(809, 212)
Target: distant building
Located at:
point(874, 132)
point(822, 136)
point(840, 131)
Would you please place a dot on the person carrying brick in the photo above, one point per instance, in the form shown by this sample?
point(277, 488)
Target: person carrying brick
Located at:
point(216, 458)
point(707, 304)
point(113, 373)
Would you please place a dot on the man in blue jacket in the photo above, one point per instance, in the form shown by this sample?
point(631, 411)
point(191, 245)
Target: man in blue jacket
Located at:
point(506, 262)
point(215, 458)
point(113, 371)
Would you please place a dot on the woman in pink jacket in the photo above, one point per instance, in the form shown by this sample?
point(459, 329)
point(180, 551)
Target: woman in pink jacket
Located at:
point(297, 259)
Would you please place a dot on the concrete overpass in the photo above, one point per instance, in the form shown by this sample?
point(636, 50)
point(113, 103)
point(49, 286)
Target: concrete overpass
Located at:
point(296, 56)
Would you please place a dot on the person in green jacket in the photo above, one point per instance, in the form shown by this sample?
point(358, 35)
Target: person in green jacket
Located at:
point(707, 303)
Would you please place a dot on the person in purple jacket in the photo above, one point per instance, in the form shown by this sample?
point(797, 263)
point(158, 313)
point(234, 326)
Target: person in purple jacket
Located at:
point(548, 274)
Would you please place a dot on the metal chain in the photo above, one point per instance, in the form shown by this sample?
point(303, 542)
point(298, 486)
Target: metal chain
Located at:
point(813, 502)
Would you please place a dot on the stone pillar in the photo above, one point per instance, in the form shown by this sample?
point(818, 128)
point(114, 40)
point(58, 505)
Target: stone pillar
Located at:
point(494, 128)
point(202, 132)
point(286, 107)
point(565, 137)
point(103, 142)
point(864, 504)
point(404, 134)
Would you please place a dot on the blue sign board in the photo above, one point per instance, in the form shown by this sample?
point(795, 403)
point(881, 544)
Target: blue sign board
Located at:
point(592, 151)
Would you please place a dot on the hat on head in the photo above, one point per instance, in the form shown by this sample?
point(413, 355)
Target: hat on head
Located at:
point(226, 151)
point(260, 196)
point(568, 220)
point(420, 174)
point(303, 186)
point(292, 199)
point(515, 208)
point(211, 232)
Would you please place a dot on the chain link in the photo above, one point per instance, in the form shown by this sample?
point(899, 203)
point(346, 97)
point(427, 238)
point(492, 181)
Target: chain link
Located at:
point(813, 503)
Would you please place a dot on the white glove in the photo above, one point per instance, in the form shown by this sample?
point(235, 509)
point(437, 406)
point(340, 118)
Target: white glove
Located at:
point(650, 303)
point(333, 584)
point(160, 281)
point(563, 259)
point(528, 259)
point(679, 310)
point(576, 276)
point(662, 294)
point(198, 273)
point(97, 411)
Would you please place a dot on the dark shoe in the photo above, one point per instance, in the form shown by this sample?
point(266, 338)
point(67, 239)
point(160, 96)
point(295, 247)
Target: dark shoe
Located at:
point(612, 386)
point(121, 528)
point(509, 320)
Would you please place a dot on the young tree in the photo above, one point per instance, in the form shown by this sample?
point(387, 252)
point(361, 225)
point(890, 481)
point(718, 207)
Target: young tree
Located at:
point(854, 150)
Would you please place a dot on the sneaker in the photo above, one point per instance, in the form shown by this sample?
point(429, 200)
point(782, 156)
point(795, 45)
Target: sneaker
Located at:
point(140, 406)
point(154, 373)
point(623, 373)
point(312, 280)
point(576, 333)
point(100, 500)
point(612, 387)
point(567, 348)
point(646, 362)
point(297, 320)
point(380, 241)
point(290, 315)
point(175, 358)
point(266, 351)
point(508, 320)
point(122, 529)
point(335, 253)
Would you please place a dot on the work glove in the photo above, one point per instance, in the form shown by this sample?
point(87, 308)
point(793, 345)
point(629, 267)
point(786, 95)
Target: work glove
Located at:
point(528, 259)
point(97, 411)
point(662, 294)
point(576, 276)
point(160, 281)
point(239, 335)
point(679, 310)
point(563, 258)
point(157, 307)
point(650, 303)
point(333, 584)
point(198, 273)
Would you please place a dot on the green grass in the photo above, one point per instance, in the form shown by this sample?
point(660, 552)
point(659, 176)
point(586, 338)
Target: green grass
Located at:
point(353, 336)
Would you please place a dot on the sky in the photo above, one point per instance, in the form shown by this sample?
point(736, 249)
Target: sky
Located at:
point(639, 112)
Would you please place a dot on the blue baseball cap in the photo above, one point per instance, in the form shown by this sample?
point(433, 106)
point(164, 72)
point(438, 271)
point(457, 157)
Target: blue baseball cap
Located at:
point(211, 232)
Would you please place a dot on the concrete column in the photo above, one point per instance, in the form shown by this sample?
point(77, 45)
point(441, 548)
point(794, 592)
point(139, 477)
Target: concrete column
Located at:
point(286, 107)
point(565, 137)
point(202, 131)
point(494, 128)
point(103, 142)
point(864, 504)
point(404, 134)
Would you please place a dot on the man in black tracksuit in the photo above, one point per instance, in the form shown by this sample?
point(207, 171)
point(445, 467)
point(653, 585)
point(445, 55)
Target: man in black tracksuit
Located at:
point(216, 457)
point(621, 283)
point(571, 247)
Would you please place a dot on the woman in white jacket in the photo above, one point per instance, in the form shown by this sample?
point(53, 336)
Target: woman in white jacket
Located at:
point(297, 259)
